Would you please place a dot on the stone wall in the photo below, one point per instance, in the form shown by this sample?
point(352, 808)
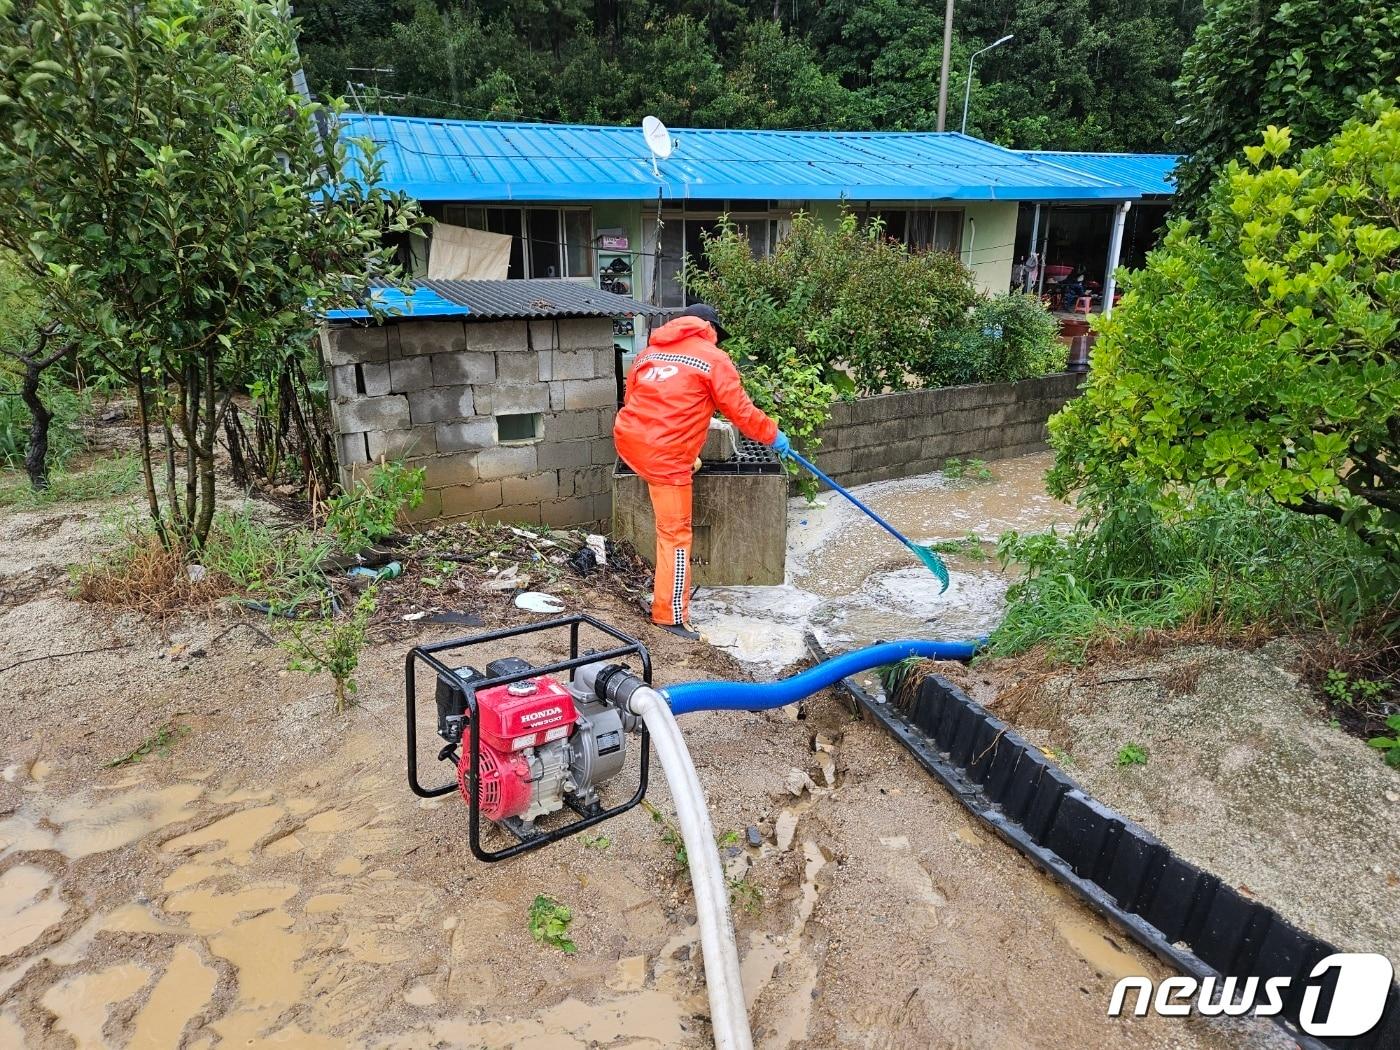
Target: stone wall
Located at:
point(916, 431)
point(428, 392)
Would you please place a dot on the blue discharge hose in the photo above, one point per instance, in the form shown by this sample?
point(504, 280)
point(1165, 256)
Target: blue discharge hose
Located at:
point(760, 696)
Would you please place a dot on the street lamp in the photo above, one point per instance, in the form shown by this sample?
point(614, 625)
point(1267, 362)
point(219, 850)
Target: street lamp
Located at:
point(967, 94)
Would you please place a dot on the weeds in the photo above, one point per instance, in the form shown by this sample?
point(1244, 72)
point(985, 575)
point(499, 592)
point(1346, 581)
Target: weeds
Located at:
point(1131, 755)
point(1350, 691)
point(1223, 562)
point(160, 742)
point(332, 647)
point(598, 842)
point(549, 924)
point(745, 895)
point(104, 478)
point(280, 567)
point(956, 469)
point(145, 575)
point(1390, 744)
point(369, 511)
point(970, 547)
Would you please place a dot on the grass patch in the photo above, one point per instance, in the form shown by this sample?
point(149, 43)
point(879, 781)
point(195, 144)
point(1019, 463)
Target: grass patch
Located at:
point(1224, 564)
point(106, 477)
point(243, 556)
point(158, 743)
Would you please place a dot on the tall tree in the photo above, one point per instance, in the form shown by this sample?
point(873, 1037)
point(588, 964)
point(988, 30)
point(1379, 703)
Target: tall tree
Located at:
point(1300, 64)
point(177, 208)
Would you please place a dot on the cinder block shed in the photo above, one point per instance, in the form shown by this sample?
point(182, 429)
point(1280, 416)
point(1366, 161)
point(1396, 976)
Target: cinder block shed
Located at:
point(504, 392)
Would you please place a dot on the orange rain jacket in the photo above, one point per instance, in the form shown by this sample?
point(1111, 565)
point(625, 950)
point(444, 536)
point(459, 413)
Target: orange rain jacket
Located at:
point(675, 386)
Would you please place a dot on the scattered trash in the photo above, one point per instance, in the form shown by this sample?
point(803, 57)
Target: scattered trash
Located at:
point(599, 545)
point(538, 602)
point(584, 561)
point(114, 414)
point(509, 580)
point(389, 572)
point(414, 615)
point(466, 619)
point(754, 836)
point(197, 572)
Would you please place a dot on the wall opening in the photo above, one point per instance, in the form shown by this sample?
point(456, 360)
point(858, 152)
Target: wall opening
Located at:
point(517, 428)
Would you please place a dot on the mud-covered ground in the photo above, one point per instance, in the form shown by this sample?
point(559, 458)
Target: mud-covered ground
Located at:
point(268, 879)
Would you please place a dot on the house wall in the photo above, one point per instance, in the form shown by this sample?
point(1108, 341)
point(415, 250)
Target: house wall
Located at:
point(914, 432)
point(429, 393)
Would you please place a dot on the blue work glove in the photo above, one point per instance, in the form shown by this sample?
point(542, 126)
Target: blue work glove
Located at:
point(781, 445)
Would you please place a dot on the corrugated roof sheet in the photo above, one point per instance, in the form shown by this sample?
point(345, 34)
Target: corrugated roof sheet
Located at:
point(422, 302)
point(494, 300)
point(1148, 173)
point(434, 159)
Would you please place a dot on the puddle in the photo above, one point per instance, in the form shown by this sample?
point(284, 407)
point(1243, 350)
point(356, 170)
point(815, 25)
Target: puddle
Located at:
point(238, 833)
point(87, 827)
point(177, 997)
point(850, 584)
point(80, 1005)
point(29, 904)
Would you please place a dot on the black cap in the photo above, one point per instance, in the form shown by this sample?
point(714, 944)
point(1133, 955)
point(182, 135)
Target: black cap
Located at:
point(706, 312)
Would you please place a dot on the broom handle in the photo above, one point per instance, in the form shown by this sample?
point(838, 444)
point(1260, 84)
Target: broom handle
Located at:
point(874, 517)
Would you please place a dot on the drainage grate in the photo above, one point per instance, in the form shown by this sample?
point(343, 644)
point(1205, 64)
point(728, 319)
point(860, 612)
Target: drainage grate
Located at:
point(751, 458)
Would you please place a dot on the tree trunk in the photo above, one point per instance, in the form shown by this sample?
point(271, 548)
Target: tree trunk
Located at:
point(36, 456)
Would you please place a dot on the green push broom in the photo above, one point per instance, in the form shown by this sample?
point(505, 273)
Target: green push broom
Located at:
point(925, 554)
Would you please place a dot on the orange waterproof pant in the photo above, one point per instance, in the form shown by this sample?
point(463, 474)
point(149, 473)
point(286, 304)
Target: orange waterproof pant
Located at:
point(670, 600)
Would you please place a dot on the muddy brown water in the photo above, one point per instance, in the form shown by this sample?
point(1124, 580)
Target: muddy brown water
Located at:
point(272, 882)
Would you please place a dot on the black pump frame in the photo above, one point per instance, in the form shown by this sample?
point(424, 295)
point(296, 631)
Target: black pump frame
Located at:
point(428, 654)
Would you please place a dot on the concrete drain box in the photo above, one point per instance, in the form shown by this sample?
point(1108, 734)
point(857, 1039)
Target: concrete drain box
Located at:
point(739, 517)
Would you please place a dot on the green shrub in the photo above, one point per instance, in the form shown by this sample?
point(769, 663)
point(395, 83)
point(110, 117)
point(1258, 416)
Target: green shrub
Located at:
point(834, 311)
point(1022, 338)
point(1261, 349)
point(332, 646)
point(1215, 559)
point(370, 510)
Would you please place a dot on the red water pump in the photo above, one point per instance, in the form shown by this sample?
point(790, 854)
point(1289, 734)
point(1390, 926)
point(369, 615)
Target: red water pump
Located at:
point(530, 743)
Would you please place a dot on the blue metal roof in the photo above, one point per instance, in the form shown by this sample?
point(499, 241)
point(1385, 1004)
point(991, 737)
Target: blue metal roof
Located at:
point(1148, 173)
point(422, 302)
point(433, 159)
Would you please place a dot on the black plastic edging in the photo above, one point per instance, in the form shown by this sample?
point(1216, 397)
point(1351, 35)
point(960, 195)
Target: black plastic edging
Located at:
point(1184, 915)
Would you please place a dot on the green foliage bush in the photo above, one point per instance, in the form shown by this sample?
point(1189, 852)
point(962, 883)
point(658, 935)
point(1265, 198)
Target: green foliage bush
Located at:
point(1260, 348)
point(369, 510)
point(1301, 64)
point(840, 310)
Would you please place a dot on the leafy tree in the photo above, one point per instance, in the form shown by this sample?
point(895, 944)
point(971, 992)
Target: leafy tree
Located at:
point(1301, 64)
point(1260, 348)
point(173, 201)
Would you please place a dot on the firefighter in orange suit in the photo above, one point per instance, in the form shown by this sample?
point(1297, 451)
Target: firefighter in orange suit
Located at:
point(675, 386)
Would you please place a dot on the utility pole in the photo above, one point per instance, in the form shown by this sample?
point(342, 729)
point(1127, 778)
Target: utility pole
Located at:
point(943, 71)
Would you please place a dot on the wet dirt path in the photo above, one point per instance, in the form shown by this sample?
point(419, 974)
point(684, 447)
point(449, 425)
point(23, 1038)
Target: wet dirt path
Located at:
point(851, 583)
point(271, 882)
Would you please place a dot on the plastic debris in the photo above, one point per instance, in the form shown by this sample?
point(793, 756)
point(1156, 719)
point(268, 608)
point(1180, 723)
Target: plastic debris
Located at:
point(414, 616)
point(599, 546)
point(197, 572)
point(584, 561)
point(388, 572)
point(538, 602)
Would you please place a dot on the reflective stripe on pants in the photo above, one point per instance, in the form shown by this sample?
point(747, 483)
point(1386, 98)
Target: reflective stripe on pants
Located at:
point(670, 600)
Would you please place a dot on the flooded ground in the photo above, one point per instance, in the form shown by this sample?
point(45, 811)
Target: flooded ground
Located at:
point(850, 583)
point(265, 879)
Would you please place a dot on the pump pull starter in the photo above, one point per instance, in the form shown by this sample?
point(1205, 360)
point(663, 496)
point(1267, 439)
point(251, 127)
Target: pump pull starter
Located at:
point(527, 744)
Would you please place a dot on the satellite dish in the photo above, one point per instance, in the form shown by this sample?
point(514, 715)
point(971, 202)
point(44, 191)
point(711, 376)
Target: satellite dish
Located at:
point(658, 141)
point(658, 138)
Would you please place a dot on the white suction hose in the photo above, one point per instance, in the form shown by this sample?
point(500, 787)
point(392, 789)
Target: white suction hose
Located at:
point(728, 1015)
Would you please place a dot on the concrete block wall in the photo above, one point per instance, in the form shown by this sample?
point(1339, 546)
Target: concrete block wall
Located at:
point(428, 392)
point(915, 431)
